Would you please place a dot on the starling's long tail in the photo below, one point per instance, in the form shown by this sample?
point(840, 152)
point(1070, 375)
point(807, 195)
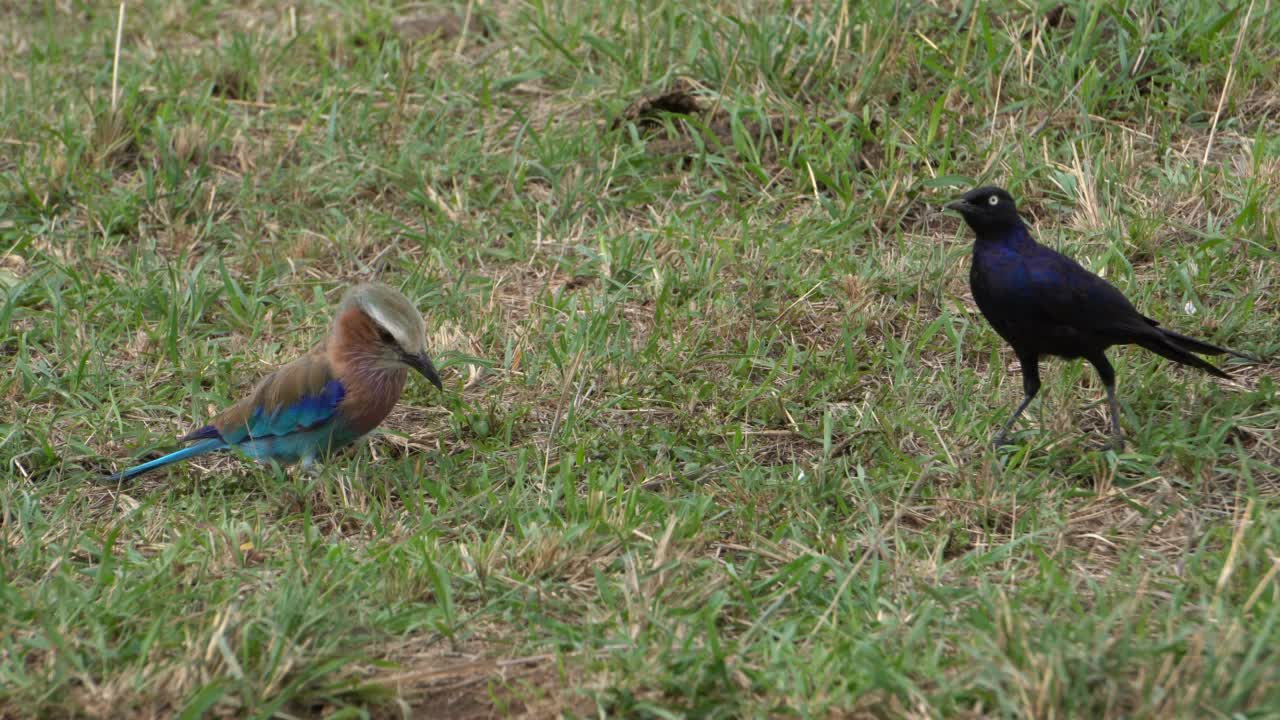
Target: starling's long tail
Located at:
point(1203, 347)
point(199, 448)
point(1178, 348)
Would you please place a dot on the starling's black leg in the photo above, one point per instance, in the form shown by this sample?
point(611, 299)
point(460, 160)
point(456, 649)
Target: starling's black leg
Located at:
point(1030, 386)
point(1108, 375)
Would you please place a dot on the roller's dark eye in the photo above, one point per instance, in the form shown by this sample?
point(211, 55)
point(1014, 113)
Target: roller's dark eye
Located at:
point(386, 336)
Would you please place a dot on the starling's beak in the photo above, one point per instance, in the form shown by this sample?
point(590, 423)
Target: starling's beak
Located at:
point(958, 205)
point(422, 363)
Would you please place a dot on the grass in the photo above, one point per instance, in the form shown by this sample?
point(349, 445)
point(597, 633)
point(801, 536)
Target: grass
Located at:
point(714, 440)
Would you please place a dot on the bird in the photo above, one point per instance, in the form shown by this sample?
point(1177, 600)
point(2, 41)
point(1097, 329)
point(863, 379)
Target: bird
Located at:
point(327, 399)
point(1044, 303)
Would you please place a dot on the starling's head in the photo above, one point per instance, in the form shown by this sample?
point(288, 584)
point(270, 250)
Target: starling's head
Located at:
point(392, 327)
point(987, 209)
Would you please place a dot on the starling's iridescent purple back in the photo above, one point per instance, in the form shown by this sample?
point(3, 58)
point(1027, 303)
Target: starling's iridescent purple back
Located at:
point(1037, 298)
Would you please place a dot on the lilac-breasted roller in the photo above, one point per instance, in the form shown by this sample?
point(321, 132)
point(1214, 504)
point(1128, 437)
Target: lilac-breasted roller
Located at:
point(330, 397)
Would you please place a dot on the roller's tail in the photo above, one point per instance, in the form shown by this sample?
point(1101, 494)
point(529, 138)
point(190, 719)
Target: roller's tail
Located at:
point(199, 448)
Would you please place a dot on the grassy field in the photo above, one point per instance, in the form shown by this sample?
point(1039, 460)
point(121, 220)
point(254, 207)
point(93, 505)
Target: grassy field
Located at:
point(714, 440)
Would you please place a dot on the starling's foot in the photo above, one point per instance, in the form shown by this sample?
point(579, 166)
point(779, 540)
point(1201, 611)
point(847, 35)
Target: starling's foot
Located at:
point(1115, 443)
point(1002, 440)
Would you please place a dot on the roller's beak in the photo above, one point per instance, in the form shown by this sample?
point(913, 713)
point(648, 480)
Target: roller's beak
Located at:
point(422, 363)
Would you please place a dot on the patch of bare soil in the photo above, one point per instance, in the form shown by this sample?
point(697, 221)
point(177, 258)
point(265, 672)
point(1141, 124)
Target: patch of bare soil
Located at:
point(442, 25)
point(681, 103)
point(462, 687)
point(681, 121)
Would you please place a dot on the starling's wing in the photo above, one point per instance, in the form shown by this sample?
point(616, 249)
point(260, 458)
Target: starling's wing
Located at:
point(1076, 298)
point(1069, 295)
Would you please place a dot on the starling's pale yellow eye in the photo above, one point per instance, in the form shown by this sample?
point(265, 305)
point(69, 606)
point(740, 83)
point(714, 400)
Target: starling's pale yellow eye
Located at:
point(993, 200)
